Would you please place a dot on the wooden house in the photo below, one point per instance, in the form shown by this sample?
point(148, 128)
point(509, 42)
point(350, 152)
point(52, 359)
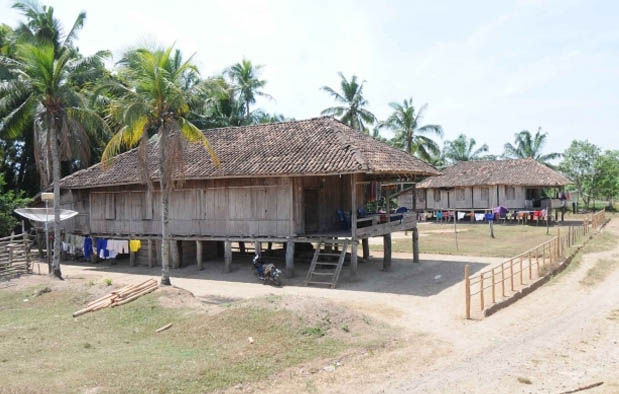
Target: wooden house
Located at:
point(485, 184)
point(290, 182)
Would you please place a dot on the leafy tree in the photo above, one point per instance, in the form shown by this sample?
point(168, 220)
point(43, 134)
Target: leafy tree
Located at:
point(41, 27)
point(607, 170)
point(352, 110)
point(246, 79)
point(42, 96)
point(405, 123)
point(528, 146)
point(9, 201)
point(152, 98)
point(579, 164)
point(463, 149)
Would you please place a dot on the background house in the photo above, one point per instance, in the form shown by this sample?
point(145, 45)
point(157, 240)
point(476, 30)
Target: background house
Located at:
point(485, 184)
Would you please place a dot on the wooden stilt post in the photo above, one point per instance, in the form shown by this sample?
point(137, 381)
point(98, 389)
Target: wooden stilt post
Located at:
point(386, 252)
point(199, 261)
point(242, 247)
point(131, 257)
point(174, 252)
point(467, 292)
point(353, 227)
point(415, 244)
point(258, 247)
point(149, 244)
point(228, 256)
point(366, 249)
point(353, 260)
point(289, 258)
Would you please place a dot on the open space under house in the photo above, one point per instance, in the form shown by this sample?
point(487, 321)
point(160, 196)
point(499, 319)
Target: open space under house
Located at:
point(292, 183)
point(519, 184)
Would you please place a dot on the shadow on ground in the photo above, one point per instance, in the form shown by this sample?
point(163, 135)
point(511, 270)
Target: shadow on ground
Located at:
point(427, 278)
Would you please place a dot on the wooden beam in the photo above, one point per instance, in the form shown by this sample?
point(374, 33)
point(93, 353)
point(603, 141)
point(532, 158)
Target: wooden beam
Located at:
point(386, 252)
point(199, 261)
point(131, 258)
point(289, 259)
point(228, 256)
point(403, 191)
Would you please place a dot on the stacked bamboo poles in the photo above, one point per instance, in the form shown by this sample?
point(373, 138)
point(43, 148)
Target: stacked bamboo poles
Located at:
point(119, 297)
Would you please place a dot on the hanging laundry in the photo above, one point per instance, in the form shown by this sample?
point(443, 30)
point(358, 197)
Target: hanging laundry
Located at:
point(479, 217)
point(461, 215)
point(135, 245)
point(87, 247)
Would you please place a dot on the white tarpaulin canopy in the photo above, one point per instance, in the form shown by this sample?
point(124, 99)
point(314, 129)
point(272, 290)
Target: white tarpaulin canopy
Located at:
point(45, 215)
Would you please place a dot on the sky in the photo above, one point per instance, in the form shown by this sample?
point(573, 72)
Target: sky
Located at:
point(485, 68)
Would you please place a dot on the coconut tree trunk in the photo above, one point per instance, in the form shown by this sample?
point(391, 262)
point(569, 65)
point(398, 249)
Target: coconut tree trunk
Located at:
point(56, 179)
point(165, 207)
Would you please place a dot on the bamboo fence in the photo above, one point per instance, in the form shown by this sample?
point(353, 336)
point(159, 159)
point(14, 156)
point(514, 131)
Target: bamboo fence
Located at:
point(15, 256)
point(501, 281)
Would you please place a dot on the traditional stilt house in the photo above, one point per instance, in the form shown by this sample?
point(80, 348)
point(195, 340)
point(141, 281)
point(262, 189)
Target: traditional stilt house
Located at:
point(485, 184)
point(291, 182)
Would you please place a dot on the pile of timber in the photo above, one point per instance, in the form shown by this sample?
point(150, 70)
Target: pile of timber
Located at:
point(119, 297)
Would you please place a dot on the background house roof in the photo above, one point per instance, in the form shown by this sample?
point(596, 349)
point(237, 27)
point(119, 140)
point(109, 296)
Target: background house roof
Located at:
point(318, 146)
point(520, 172)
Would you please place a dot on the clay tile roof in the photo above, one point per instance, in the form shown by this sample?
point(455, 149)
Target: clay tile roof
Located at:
point(319, 146)
point(519, 172)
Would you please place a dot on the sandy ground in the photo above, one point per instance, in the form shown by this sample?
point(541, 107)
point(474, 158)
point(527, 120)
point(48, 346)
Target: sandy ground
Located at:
point(561, 337)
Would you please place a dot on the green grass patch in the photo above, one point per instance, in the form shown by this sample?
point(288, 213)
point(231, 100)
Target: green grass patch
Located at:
point(43, 349)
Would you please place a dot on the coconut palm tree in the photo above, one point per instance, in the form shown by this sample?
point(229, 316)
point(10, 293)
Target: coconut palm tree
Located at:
point(41, 27)
point(528, 146)
point(463, 149)
point(150, 96)
point(246, 80)
point(41, 98)
point(409, 135)
point(353, 110)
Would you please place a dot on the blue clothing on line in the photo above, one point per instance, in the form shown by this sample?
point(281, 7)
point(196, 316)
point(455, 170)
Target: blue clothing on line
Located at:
point(87, 247)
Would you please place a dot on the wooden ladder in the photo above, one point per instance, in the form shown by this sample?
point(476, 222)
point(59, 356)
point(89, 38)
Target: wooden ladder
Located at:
point(318, 274)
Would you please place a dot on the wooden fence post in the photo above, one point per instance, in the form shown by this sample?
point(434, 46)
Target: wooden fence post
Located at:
point(511, 273)
point(467, 292)
point(521, 281)
point(481, 291)
point(530, 267)
point(503, 279)
point(493, 291)
point(558, 243)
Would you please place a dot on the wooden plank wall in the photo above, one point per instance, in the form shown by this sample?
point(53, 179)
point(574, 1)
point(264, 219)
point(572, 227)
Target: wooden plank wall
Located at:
point(235, 207)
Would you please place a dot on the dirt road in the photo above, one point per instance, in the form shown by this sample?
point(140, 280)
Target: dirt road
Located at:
point(563, 336)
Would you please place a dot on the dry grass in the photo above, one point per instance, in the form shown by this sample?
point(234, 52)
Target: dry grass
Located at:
point(43, 349)
point(474, 240)
point(599, 271)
